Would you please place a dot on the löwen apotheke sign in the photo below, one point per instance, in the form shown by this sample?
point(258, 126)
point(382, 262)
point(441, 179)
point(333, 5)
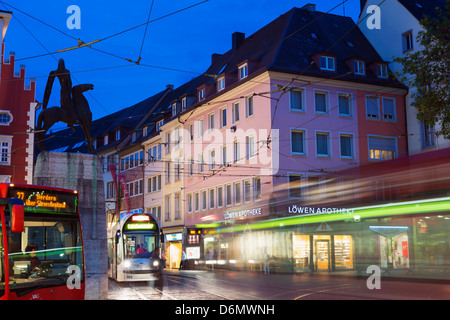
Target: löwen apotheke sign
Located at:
point(294, 209)
point(242, 213)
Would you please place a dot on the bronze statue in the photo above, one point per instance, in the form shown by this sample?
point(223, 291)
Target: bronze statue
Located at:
point(74, 107)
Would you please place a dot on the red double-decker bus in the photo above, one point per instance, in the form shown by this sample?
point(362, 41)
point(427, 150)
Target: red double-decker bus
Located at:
point(41, 245)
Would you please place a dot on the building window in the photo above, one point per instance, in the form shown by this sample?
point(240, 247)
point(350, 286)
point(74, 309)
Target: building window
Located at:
point(189, 202)
point(183, 104)
point(243, 71)
point(201, 128)
point(196, 201)
point(228, 195)
point(322, 144)
point(177, 169)
point(237, 192)
point(235, 112)
point(346, 145)
point(389, 109)
point(201, 94)
point(221, 84)
point(201, 164)
point(191, 132)
point(358, 67)
point(427, 135)
point(177, 206)
point(219, 197)
point(250, 142)
point(159, 124)
point(167, 208)
point(382, 70)
point(212, 159)
point(223, 156)
point(327, 63)
point(117, 135)
point(320, 102)
point(382, 148)
point(223, 117)
point(257, 189)
point(105, 140)
point(204, 200)
point(211, 121)
point(296, 100)
point(236, 151)
point(167, 172)
point(297, 142)
point(211, 198)
point(407, 41)
point(344, 104)
point(249, 106)
point(5, 118)
point(145, 131)
point(247, 191)
point(154, 184)
point(372, 108)
point(191, 167)
point(295, 185)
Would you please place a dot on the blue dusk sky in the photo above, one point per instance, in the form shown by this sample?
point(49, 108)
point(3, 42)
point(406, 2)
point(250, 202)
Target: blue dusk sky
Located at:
point(178, 43)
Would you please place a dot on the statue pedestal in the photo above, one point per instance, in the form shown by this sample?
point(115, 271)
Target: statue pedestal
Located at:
point(82, 172)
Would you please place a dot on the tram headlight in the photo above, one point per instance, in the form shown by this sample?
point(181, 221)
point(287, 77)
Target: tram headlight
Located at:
point(127, 264)
point(156, 263)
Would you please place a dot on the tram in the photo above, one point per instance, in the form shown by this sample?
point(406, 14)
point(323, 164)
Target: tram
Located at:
point(41, 244)
point(134, 244)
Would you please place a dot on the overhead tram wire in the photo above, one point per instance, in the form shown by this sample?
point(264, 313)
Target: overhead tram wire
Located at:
point(82, 44)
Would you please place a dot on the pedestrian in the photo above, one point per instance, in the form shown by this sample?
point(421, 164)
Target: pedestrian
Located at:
point(266, 262)
point(183, 260)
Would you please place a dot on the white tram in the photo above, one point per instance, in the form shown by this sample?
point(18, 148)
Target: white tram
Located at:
point(134, 249)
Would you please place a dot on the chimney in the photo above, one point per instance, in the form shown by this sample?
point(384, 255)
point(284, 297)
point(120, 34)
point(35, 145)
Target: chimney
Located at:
point(236, 39)
point(310, 7)
point(169, 86)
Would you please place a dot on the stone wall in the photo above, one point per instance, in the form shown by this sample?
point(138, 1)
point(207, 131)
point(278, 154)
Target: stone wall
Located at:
point(82, 172)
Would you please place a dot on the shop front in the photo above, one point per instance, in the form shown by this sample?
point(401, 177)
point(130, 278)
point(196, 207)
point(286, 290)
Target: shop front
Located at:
point(173, 249)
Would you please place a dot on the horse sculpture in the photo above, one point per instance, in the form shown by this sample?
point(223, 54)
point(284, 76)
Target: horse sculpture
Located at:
point(74, 108)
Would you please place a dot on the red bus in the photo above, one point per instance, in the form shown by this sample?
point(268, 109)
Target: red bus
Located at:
point(41, 245)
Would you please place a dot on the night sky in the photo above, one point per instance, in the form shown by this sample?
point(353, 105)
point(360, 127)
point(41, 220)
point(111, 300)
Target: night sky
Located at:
point(178, 44)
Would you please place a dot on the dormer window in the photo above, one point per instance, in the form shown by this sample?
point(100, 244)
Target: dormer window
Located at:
point(327, 63)
point(201, 94)
point(118, 135)
point(221, 83)
point(133, 136)
point(145, 131)
point(159, 124)
point(174, 109)
point(183, 104)
point(358, 67)
point(382, 71)
point(243, 71)
point(105, 139)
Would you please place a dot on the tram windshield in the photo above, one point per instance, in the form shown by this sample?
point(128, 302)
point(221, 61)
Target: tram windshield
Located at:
point(42, 254)
point(139, 245)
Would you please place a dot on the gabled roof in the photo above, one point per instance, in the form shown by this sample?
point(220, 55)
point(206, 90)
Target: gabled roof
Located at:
point(421, 8)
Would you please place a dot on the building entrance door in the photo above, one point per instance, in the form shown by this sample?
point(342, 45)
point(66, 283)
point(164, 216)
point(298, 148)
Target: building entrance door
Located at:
point(322, 255)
